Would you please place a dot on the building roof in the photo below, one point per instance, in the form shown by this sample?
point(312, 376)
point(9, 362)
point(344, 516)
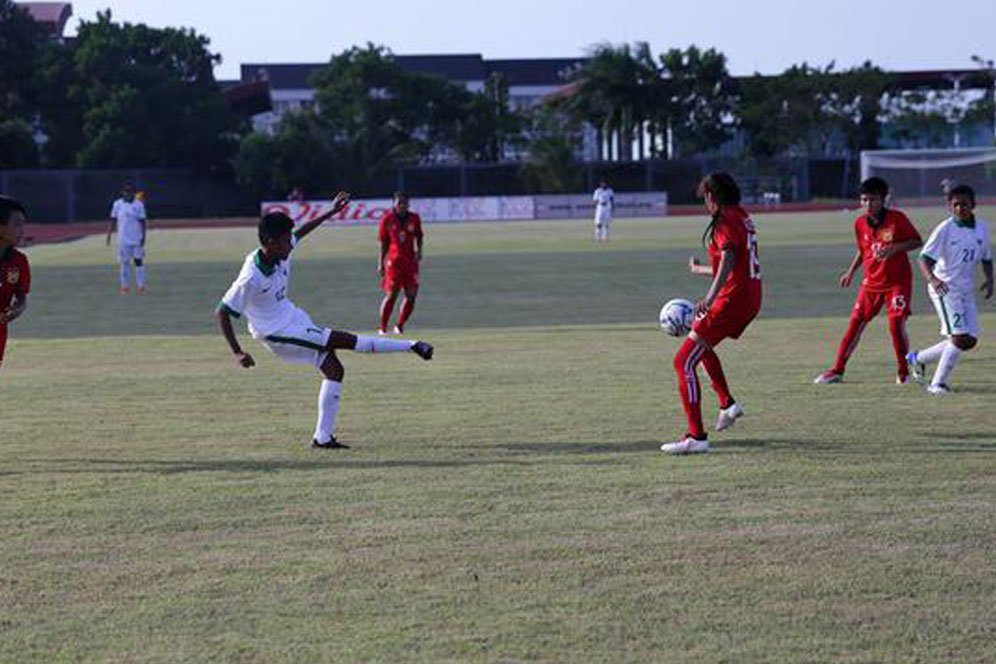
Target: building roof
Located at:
point(53, 16)
point(544, 71)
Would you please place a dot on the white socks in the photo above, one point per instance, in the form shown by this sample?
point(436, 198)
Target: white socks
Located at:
point(125, 275)
point(140, 276)
point(381, 345)
point(949, 358)
point(932, 354)
point(328, 408)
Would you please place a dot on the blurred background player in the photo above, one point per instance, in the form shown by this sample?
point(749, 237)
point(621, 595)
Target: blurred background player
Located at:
point(731, 303)
point(128, 215)
point(400, 238)
point(947, 263)
point(260, 293)
point(604, 200)
point(884, 236)
point(15, 274)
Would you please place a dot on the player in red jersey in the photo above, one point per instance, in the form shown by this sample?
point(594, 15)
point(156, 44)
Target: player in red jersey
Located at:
point(731, 303)
point(884, 237)
point(400, 239)
point(15, 275)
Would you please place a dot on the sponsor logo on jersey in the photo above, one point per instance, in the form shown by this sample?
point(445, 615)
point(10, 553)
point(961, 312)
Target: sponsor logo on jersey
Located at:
point(887, 235)
point(13, 275)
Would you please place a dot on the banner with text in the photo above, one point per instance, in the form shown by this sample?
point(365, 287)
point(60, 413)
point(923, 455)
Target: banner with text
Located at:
point(477, 208)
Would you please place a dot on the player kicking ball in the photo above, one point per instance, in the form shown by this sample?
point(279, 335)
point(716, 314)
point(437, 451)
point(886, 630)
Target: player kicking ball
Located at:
point(260, 294)
point(731, 303)
point(884, 236)
point(947, 262)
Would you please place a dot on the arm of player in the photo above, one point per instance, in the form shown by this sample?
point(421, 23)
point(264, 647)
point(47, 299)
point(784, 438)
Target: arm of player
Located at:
point(340, 201)
point(110, 230)
point(418, 248)
point(987, 285)
point(385, 245)
point(725, 267)
point(881, 253)
point(697, 267)
point(242, 358)
point(15, 309)
point(926, 264)
point(848, 276)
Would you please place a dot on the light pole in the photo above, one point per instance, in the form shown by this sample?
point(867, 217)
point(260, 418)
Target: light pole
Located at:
point(990, 68)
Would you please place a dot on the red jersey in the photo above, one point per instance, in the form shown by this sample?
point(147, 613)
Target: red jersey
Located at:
point(735, 230)
point(894, 270)
point(15, 276)
point(400, 234)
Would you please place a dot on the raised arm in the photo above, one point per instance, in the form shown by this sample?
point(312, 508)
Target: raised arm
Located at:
point(340, 201)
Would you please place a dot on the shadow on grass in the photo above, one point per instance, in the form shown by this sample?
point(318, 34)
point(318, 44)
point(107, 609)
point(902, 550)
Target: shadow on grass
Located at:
point(630, 447)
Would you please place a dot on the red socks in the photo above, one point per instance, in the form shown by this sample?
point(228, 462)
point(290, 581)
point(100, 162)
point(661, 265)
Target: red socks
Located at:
point(407, 307)
point(386, 307)
point(686, 362)
point(900, 344)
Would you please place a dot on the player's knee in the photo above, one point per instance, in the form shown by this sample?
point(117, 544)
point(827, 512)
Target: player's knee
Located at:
point(332, 368)
point(964, 341)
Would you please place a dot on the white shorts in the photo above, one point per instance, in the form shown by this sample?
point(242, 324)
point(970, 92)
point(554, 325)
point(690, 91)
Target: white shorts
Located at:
point(129, 252)
point(603, 218)
point(956, 309)
point(300, 342)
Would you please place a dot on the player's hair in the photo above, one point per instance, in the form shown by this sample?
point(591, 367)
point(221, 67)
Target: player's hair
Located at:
point(8, 206)
point(962, 190)
point(399, 195)
point(724, 189)
point(274, 225)
point(874, 186)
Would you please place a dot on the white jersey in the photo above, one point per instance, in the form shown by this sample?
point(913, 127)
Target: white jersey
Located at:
point(129, 217)
point(604, 198)
point(956, 250)
point(260, 293)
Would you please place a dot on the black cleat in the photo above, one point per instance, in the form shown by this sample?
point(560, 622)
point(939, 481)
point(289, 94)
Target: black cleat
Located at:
point(423, 349)
point(333, 444)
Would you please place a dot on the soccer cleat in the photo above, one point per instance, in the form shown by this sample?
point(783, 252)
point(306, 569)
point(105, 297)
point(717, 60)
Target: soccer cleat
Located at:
point(423, 349)
point(728, 415)
point(141, 290)
point(398, 330)
point(124, 290)
point(918, 370)
point(903, 380)
point(940, 389)
point(382, 332)
point(829, 377)
point(333, 444)
point(687, 445)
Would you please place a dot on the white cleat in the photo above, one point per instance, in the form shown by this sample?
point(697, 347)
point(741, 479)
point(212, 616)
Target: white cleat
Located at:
point(687, 445)
point(918, 369)
point(940, 389)
point(829, 377)
point(903, 380)
point(727, 416)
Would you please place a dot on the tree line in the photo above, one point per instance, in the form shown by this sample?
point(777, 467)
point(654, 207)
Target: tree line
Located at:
point(123, 95)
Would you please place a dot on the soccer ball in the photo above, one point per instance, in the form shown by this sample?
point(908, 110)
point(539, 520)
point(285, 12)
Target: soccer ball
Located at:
point(676, 317)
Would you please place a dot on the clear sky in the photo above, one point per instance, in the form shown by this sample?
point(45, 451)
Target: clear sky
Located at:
point(756, 35)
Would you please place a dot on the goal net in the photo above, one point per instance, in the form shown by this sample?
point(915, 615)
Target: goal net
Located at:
point(926, 174)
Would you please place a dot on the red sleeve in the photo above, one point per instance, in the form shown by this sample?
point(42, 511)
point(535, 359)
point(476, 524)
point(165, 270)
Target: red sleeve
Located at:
point(382, 232)
point(418, 226)
point(24, 280)
point(907, 230)
point(723, 236)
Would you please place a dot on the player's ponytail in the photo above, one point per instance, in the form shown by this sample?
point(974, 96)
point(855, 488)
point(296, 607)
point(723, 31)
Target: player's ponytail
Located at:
point(725, 191)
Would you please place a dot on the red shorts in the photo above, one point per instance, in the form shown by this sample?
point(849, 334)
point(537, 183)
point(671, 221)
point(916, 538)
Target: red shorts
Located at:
point(897, 301)
point(726, 319)
point(406, 280)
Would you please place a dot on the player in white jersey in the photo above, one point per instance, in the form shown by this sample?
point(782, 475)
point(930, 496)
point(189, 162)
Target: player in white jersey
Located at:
point(128, 215)
point(948, 261)
point(604, 200)
point(260, 294)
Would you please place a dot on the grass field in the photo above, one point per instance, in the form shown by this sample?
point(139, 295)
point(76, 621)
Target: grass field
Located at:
point(505, 502)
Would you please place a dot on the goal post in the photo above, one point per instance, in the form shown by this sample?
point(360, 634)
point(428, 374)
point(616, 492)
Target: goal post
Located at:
point(926, 174)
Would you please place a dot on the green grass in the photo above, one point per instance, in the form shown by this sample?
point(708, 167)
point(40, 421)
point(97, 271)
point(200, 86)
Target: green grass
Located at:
point(505, 502)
